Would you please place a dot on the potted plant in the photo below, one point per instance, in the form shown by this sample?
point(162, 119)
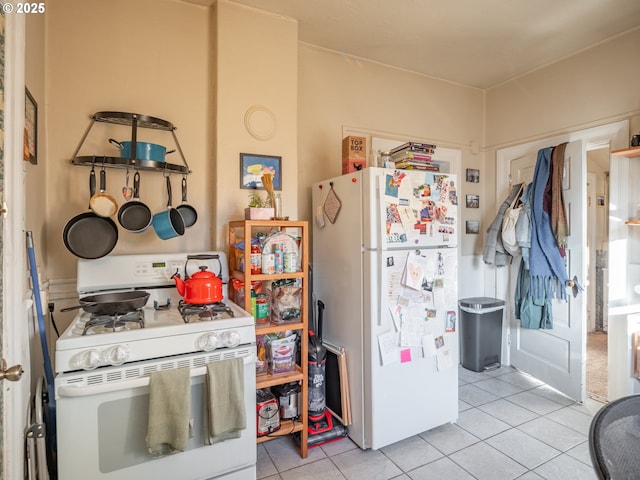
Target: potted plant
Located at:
point(259, 208)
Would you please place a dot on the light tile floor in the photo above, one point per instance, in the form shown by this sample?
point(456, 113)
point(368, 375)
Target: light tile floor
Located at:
point(510, 426)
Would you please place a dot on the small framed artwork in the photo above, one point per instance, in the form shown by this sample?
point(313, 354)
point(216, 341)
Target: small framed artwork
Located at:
point(30, 145)
point(253, 166)
point(473, 175)
point(473, 201)
point(600, 200)
point(473, 227)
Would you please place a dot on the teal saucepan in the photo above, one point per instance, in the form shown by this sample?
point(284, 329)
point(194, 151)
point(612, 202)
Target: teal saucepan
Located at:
point(144, 150)
point(168, 223)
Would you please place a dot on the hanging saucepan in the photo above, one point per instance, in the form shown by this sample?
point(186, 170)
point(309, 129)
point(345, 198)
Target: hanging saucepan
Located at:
point(102, 203)
point(168, 223)
point(134, 215)
point(88, 235)
point(189, 214)
point(117, 303)
point(144, 150)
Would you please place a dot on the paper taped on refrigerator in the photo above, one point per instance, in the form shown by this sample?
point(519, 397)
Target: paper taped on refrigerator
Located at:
point(419, 208)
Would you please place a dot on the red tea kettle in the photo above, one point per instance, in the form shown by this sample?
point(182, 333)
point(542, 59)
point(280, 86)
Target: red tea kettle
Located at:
point(202, 287)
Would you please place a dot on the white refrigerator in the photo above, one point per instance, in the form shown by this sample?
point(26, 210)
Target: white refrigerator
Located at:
point(385, 265)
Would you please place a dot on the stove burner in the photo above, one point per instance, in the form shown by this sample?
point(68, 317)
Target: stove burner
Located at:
point(203, 312)
point(99, 323)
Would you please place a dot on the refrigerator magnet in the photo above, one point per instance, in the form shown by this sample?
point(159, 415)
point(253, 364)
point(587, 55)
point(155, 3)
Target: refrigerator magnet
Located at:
point(451, 321)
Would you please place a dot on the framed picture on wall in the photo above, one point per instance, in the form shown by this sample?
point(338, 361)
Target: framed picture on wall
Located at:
point(473, 227)
point(473, 201)
point(600, 200)
point(30, 147)
point(253, 166)
point(473, 175)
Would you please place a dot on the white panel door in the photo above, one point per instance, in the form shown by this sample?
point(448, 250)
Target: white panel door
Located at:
point(556, 356)
point(14, 308)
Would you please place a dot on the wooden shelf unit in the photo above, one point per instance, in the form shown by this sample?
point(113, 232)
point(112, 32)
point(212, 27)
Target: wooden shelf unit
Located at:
point(245, 230)
point(631, 152)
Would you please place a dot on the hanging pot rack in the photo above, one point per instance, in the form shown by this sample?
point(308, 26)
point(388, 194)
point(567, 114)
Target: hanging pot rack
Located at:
point(135, 121)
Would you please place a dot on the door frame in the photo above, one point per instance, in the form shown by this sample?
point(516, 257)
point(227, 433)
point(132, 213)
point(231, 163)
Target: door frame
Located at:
point(15, 342)
point(590, 288)
point(614, 135)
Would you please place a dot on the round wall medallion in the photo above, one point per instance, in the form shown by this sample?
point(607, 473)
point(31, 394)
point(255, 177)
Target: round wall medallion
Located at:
point(260, 122)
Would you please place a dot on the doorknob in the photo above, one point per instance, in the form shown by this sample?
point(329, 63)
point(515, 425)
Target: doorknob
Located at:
point(12, 374)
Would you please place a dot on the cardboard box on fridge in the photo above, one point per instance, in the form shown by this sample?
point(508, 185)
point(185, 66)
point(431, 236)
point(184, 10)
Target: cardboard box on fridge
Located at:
point(354, 148)
point(350, 165)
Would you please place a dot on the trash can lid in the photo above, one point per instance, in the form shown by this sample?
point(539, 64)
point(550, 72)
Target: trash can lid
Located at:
point(481, 302)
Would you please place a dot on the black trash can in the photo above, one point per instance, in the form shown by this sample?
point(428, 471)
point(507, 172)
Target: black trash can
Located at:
point(481, 333)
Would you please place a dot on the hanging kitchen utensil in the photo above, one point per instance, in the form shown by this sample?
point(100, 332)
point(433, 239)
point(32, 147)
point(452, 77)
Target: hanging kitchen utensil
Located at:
point(135, 216)
point(144, 150)
point(88, 235)
point(332, 205)
point(168, 223)
point(127, 191)
point(102, 203)
point(117, 303)
point(189, 214)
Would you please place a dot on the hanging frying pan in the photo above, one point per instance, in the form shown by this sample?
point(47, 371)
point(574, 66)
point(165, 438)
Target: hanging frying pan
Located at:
point(102, 203)
point(88, 235)
point(189, 214)
point(134, 215)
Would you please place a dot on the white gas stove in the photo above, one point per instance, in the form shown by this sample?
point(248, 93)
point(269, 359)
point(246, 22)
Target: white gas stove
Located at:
point(103, 372)
point(161, 328)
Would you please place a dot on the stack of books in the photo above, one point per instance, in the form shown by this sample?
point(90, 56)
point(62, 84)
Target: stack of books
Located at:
point(414, 156)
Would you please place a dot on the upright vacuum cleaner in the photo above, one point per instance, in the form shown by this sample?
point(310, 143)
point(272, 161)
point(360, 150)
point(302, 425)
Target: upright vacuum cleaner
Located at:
point(323, 428)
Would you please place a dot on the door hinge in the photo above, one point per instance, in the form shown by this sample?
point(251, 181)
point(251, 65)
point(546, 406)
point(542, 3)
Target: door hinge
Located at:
point(508, 339)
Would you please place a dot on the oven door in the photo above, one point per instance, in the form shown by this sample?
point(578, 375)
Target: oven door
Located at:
point(102, 418)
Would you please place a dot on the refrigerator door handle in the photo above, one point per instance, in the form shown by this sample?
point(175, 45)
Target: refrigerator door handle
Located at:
point(380, 290)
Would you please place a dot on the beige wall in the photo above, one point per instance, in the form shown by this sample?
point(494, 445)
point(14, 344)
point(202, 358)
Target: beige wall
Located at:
point(594, 87)
point(35, 175)
point(337, 91)
point(256, 66)
point(208, 67)
point(150, 57)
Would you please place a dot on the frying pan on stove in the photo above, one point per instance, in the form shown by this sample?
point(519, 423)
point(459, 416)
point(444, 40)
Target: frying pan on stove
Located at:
point(112, 303)
point(88, 235)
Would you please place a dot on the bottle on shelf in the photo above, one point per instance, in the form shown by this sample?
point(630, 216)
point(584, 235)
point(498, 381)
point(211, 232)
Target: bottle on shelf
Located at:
point(256, 258)
point(253, 303)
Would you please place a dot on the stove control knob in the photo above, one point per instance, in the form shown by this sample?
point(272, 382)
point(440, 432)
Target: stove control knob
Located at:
point(116, 355)
point(209, 341)
point(231, 338)
point(88, 360)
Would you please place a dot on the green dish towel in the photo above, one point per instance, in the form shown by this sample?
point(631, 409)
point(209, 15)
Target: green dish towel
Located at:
point(169, 427)
point(225, 388)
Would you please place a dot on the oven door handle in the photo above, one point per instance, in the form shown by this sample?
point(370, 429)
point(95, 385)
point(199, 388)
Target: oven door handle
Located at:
point(84, 391)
